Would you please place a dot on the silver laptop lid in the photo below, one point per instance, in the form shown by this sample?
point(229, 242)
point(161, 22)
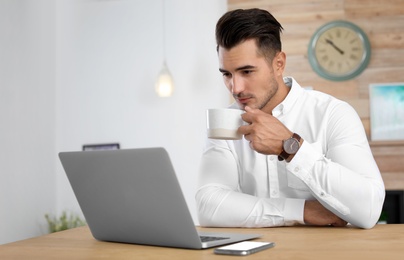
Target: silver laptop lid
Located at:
point(133, 196)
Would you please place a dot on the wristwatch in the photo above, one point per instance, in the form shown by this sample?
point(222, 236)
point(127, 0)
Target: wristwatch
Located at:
point(290, 147)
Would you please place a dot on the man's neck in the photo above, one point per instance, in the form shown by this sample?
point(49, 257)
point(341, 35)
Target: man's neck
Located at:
point(280, 96)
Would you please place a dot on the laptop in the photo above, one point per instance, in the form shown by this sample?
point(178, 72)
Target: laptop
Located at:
point(133, 196)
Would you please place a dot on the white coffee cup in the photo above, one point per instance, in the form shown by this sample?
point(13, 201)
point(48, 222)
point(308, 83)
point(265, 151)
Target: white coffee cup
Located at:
point(222, 123)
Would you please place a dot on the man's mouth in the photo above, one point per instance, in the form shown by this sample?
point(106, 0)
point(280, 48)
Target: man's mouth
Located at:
point(243, 100)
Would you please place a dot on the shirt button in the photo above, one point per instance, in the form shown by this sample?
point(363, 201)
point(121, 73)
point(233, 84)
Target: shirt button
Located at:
point(274, 192)
point(297, 169)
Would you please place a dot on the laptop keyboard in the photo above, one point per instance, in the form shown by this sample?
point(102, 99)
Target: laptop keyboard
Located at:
point(209, 238)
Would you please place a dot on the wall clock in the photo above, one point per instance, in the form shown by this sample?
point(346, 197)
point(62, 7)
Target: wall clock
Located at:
point(339, 50)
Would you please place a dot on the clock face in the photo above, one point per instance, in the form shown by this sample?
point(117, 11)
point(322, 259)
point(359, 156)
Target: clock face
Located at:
point(339, 51)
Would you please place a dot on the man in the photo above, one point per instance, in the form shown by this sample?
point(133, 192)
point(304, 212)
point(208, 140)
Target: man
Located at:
point(304, 158)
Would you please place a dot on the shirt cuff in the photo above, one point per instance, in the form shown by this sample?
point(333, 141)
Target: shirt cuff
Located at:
point(307, 155)
point(294, 212)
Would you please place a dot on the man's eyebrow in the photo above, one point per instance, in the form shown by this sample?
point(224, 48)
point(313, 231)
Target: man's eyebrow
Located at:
point(246, 67)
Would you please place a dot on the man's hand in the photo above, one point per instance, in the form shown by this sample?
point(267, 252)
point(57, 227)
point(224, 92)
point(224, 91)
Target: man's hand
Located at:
point(317, 215)
point(264, 132)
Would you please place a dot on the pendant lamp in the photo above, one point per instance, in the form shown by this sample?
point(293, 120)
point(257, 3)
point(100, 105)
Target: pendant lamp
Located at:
point(165, 82)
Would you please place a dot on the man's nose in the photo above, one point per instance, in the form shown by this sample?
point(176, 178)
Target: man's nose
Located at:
point(236, 86)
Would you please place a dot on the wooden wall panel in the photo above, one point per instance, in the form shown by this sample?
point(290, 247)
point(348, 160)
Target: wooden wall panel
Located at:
point(389, 157)
point(383, 21)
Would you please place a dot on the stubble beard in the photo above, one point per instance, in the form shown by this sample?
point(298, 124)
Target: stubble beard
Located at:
point(273, 88)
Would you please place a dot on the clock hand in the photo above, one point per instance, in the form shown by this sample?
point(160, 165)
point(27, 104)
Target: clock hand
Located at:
point(333, 45)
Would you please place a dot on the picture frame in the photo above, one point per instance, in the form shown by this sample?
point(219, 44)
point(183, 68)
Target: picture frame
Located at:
point(386, 101)
point(106, 146)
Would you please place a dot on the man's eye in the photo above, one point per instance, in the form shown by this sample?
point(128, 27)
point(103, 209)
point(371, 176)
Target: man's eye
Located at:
point(247, 72)
point(226, 74)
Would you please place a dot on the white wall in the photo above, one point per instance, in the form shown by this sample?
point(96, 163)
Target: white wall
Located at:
point(82, 71)
point(27, 117)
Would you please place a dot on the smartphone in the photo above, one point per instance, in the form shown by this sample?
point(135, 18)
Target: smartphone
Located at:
point(243, 248)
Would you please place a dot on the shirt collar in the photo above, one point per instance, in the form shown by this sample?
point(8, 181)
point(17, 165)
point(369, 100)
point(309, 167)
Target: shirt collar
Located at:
point(294, 93)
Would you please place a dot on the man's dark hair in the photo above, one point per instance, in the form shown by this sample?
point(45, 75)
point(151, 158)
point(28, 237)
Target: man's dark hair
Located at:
point(239, 25)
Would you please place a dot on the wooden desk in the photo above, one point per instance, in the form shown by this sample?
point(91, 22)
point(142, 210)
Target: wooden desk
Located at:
point(382, 242)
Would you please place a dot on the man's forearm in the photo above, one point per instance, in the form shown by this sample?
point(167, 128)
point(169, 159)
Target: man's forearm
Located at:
point(316, 214)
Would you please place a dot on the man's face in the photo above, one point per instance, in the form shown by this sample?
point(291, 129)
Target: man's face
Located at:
point(248, 76)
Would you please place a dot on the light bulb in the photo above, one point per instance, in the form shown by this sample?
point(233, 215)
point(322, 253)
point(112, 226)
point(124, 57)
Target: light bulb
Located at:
point(164, 83)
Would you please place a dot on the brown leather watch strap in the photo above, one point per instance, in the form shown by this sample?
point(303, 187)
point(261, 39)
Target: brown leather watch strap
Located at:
point(282, 155)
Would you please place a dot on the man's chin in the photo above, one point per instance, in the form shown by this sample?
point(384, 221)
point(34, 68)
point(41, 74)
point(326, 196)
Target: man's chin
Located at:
point(251, 105)
point(241, 105)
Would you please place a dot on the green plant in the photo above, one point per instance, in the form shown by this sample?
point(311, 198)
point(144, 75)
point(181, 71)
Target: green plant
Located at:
point(64, 222)
point(383, 218)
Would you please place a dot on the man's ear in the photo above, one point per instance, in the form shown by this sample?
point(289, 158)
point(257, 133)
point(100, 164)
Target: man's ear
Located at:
point(279, 63)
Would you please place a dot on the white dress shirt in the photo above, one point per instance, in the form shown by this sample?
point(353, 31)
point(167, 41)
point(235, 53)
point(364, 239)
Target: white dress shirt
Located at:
point(239, 187)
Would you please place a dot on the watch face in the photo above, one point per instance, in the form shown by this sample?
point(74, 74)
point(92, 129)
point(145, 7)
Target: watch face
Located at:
point(339, 51)
point(291, 146)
